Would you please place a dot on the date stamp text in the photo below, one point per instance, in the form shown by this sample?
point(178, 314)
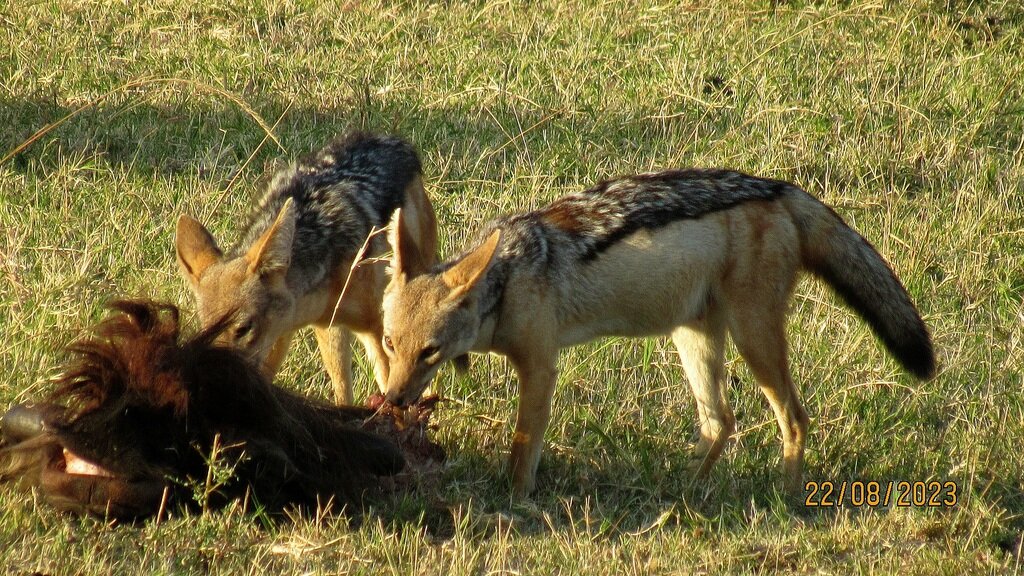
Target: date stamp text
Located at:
point(881, 494)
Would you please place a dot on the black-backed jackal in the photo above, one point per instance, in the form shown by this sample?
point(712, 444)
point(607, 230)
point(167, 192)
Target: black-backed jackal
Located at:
point(692, 253)
point(295, 255)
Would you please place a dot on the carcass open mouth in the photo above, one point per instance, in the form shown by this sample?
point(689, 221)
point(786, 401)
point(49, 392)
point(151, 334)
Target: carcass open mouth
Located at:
point(75, 484)
point(67, 480)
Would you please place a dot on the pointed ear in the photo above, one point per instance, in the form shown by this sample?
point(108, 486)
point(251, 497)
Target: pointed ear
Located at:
point(406, 259)
point(273, 251)
point(195, 248)
point(462, 277)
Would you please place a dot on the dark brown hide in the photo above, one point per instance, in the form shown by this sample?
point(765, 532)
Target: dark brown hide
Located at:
point(146, 410)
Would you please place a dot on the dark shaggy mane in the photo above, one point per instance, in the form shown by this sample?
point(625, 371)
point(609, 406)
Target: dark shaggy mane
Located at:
point(134, 352)
point(149, 406)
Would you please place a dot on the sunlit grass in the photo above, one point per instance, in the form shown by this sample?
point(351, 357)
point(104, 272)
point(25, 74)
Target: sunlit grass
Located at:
point(906, 118)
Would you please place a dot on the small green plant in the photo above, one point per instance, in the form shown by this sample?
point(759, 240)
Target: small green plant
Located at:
point(221, 464)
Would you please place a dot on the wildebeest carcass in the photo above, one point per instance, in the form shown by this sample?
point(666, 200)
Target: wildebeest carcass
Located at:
point(142, 418)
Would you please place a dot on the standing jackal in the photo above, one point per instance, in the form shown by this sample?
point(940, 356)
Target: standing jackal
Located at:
point(293, 261)
point(691, 253)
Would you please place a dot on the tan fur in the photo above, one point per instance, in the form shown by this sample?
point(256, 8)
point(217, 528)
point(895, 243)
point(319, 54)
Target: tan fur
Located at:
point(694, 279)
point(254, 287)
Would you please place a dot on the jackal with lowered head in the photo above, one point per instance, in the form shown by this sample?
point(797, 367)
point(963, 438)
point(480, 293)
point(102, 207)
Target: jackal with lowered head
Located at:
point(695, 254)
point(296, 255)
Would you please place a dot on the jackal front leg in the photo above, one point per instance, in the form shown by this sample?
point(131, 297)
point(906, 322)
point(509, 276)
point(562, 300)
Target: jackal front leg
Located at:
point(537, 378)
point(336, 351)
point(375, 353)
point(277, 354)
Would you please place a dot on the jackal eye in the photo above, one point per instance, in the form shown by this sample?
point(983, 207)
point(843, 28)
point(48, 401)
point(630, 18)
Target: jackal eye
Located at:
point(388, 344)
point(243, 330)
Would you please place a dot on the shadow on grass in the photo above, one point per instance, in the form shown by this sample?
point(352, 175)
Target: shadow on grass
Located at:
point(608, 498)
point(213, 138)
point(604, 499)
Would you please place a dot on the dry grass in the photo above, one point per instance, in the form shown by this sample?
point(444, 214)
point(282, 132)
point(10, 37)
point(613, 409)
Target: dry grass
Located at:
point(907, 118)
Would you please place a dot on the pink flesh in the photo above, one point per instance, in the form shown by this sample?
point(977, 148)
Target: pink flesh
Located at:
point(73, 464)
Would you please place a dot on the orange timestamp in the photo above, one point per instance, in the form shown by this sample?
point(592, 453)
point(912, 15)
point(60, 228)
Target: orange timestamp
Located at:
point(881, 493)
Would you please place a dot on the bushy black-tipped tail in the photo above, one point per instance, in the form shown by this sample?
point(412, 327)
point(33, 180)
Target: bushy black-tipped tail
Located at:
point(859, 274)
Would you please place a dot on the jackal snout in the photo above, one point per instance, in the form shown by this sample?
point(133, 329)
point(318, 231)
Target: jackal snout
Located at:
point(414, 349)
point(402, 397)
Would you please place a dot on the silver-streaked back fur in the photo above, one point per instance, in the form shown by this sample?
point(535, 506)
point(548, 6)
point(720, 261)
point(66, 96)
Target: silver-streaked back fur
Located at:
point(340, 192)
point(575, 229)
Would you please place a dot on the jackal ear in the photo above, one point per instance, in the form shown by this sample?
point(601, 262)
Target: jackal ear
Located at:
point(463, 276)
point(195, 248)
point(406, 259)
point(272, 253)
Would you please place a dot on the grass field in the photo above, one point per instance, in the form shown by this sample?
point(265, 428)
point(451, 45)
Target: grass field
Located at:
point(905, 117)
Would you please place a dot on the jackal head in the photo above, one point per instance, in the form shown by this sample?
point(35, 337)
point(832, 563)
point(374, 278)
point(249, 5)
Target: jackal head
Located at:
point(430, 315)
point(250, 288)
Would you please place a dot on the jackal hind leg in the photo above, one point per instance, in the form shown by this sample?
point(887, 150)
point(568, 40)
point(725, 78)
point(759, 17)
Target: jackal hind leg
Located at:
point(759, 333)
point(701, 347)
point(336, 351)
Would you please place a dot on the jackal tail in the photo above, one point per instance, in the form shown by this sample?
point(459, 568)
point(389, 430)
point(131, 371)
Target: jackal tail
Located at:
point(857, 272)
